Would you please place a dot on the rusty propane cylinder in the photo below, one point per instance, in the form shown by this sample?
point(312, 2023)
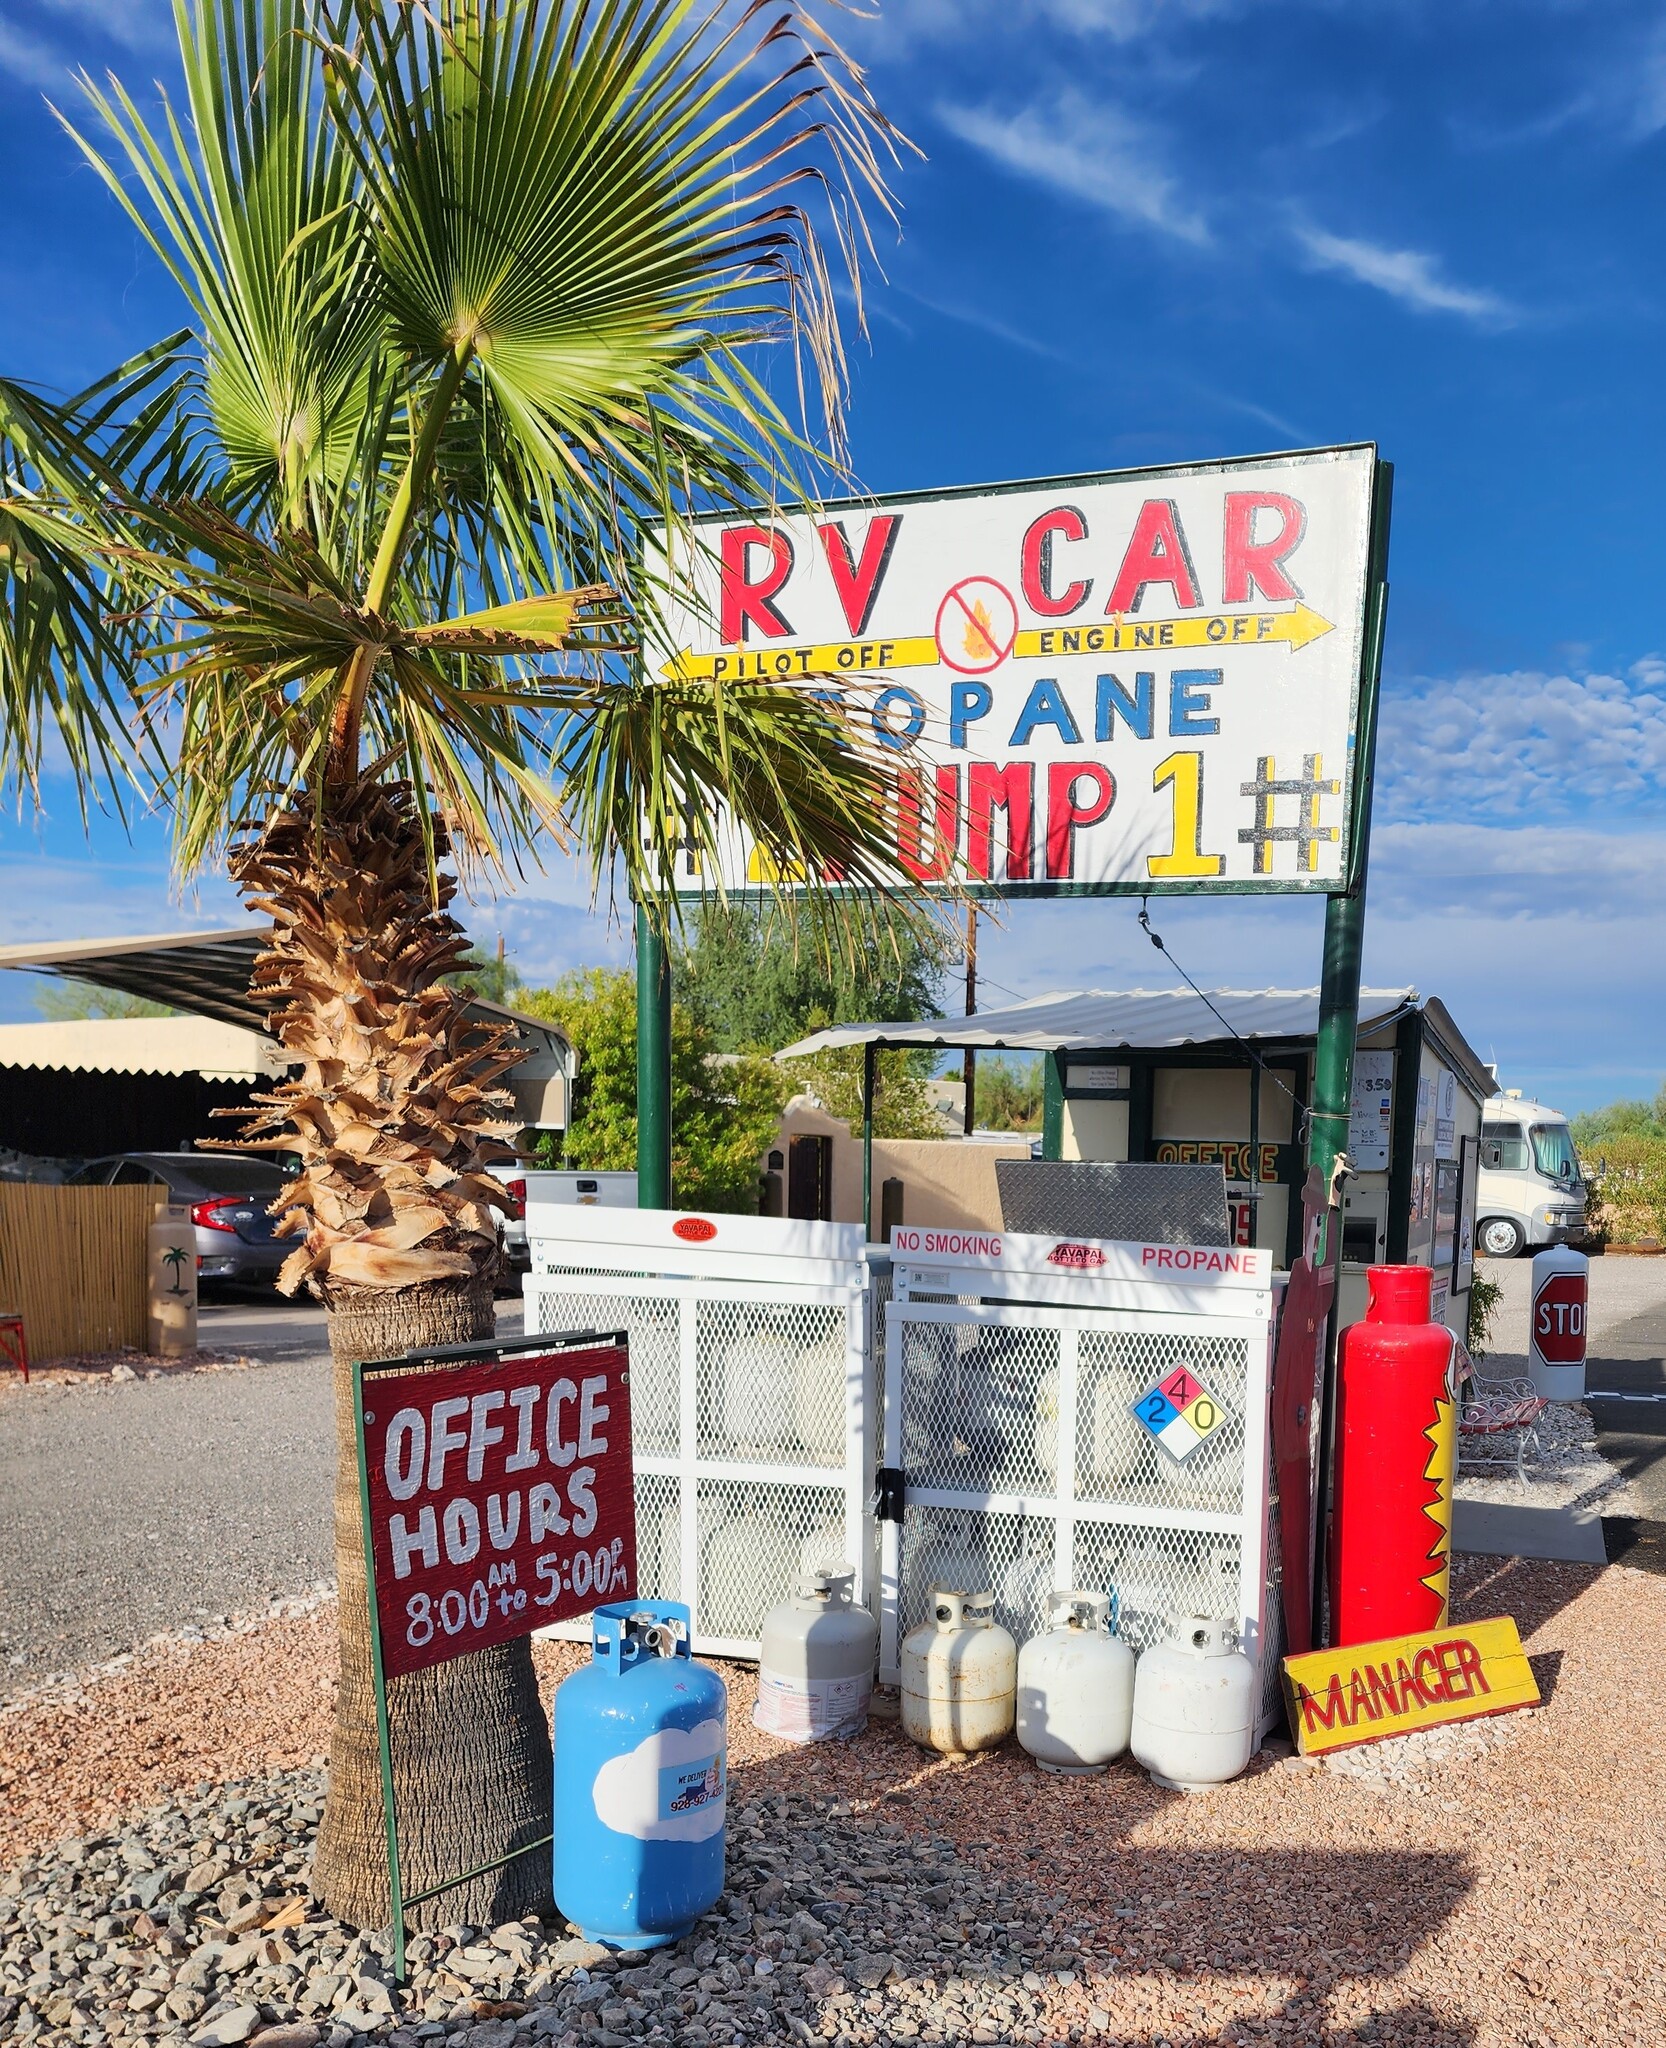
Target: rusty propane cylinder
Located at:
point(1396, 1450)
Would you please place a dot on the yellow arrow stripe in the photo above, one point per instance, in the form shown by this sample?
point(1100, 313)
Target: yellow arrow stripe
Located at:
point(790, 664)
point(1297, 627)
point(1293, 628)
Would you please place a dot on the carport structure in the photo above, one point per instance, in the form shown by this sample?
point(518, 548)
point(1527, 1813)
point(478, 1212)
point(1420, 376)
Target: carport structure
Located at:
point(205, 975)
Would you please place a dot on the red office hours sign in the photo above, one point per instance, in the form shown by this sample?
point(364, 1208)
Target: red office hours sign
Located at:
point(501, 1498)
point(1559, 1319)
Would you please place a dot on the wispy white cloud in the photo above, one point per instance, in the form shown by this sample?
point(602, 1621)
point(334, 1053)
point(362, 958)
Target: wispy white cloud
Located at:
point(136, 24)
point(1637, 85)
point(1524, 744)
point(1116, 21)
point(1089, 150)
point(1409, 275)
point(30, 59)
point(1479, 871)
point(986, 323)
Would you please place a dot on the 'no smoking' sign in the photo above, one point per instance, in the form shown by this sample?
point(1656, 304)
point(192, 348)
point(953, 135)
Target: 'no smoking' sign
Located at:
point(977, 623)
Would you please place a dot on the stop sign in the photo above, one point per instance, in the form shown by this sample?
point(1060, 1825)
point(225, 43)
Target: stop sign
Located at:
point(1559, 1319)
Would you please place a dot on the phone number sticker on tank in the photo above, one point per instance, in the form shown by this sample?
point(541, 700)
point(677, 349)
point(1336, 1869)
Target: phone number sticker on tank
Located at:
point(673, 1786)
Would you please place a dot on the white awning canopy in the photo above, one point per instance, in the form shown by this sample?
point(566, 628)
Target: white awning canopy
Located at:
point(1105, 1020)
point(206, 975)
point(143, 1045)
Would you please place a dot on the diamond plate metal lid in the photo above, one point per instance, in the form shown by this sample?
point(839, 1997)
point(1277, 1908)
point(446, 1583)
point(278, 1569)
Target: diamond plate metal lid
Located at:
point(1144, 1203)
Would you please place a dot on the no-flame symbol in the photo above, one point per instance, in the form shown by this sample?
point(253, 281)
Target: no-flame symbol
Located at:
point(977, 623)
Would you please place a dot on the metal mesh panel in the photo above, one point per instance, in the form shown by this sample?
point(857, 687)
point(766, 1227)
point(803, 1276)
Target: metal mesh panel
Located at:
point(1158, 1575)
point(1272, 1643)
point(652, 1323)
point(973, 1552)
point(659, 1536)
point(980, 1406)
point(1118, 1459)
point(1095, 1198)
point(755, 1540)
point(770, 1381)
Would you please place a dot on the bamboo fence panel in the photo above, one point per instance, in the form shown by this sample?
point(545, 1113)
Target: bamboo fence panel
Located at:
point(74, 1264)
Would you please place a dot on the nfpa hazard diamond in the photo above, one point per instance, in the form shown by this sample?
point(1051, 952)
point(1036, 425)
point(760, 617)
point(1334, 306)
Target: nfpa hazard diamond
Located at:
point(1180, 1412)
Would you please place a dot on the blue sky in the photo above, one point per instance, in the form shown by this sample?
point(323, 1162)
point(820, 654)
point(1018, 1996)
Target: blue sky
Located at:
point(1152, 230)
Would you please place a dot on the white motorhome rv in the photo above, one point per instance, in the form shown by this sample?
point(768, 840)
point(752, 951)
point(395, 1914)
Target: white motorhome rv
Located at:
point(1529, 1193)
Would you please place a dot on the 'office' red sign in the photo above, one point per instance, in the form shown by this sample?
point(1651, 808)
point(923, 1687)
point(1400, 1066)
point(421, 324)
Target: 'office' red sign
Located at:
point(501, 1498)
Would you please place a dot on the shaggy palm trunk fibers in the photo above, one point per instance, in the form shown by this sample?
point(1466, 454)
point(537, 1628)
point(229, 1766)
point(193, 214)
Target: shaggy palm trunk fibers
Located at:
point(396, 1110)
point(470, 1740)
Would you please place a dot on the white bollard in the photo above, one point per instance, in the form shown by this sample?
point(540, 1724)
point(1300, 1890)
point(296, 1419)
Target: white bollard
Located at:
point(1557, 1323)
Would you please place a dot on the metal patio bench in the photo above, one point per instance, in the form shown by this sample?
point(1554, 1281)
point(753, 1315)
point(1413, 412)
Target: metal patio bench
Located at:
point(1492, 1411)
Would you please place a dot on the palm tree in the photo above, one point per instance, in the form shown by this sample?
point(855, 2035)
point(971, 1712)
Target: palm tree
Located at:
point(352, 568)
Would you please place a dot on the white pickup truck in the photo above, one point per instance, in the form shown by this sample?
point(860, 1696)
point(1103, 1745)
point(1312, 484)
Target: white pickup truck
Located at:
point(1529, 1193)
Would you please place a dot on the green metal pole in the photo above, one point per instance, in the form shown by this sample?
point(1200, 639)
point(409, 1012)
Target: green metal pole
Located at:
point(1052, 1107)
point(653, 1066)
point(1333, 1056)
point(379, 1686)
point(869, 1053)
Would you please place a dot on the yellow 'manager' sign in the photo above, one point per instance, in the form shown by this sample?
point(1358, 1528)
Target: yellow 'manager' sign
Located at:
point(1338, 1698)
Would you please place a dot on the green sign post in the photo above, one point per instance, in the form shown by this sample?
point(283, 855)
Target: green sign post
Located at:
point(460, 1601)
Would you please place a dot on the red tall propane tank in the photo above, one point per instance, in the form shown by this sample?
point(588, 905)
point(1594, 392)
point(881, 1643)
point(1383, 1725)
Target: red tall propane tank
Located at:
point(1396, 1449)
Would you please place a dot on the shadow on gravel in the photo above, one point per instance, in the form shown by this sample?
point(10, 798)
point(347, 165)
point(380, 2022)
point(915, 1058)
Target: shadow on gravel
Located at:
point(1532, 1591)
point(1547, 1669)
point(1633, 1540)
point(1051, 1877)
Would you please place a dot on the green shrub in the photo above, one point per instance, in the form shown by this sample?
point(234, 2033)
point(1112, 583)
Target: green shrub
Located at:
point(1484, 1298)
point(1626, 1176)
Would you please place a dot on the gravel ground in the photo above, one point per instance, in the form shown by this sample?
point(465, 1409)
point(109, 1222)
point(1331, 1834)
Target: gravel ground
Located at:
point(129, 1507)
point(1623, 1287)
point(1479, 1888)
point(1570, 1470)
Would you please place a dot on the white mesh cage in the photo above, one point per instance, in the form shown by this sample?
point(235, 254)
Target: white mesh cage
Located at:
point(1026, 1468)
point(751, 1432)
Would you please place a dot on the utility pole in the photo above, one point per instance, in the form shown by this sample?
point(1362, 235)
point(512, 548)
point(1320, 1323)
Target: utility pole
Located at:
point(969, 1065)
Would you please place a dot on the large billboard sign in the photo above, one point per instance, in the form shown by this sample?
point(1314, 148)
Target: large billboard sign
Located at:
point(1131, 683)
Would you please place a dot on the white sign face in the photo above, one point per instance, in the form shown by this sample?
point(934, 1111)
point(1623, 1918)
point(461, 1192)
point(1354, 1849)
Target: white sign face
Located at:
point(1136, 683)
point(1446, 1112)
point(1084, 1078)
point(1371, 1111)
point(1104, 1258)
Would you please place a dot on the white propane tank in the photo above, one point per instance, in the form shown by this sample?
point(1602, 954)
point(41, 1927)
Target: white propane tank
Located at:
point(1194, 1707)
point(819, 1397)
point(759, 1377)
point(656, 1361)
point(730, 1596)
point(959, 1675)
point(1027, 1581)
point(1075, 1687)
point(1047, 1424)
point(816, 1662)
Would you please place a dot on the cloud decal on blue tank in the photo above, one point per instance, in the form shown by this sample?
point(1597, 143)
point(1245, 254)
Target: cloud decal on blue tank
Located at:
point(673, 1787)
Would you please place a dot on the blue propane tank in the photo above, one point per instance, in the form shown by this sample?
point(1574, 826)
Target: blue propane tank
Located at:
point(641, 1780)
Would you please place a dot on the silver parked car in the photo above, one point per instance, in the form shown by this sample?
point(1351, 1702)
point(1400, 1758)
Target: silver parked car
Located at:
point(229, 1195)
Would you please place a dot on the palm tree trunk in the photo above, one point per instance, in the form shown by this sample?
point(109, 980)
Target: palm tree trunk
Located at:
point(395, 1108)
point(471, 1742)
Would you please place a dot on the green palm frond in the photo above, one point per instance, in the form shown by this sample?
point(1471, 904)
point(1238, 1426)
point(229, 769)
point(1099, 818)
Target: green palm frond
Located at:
point(483, 293)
